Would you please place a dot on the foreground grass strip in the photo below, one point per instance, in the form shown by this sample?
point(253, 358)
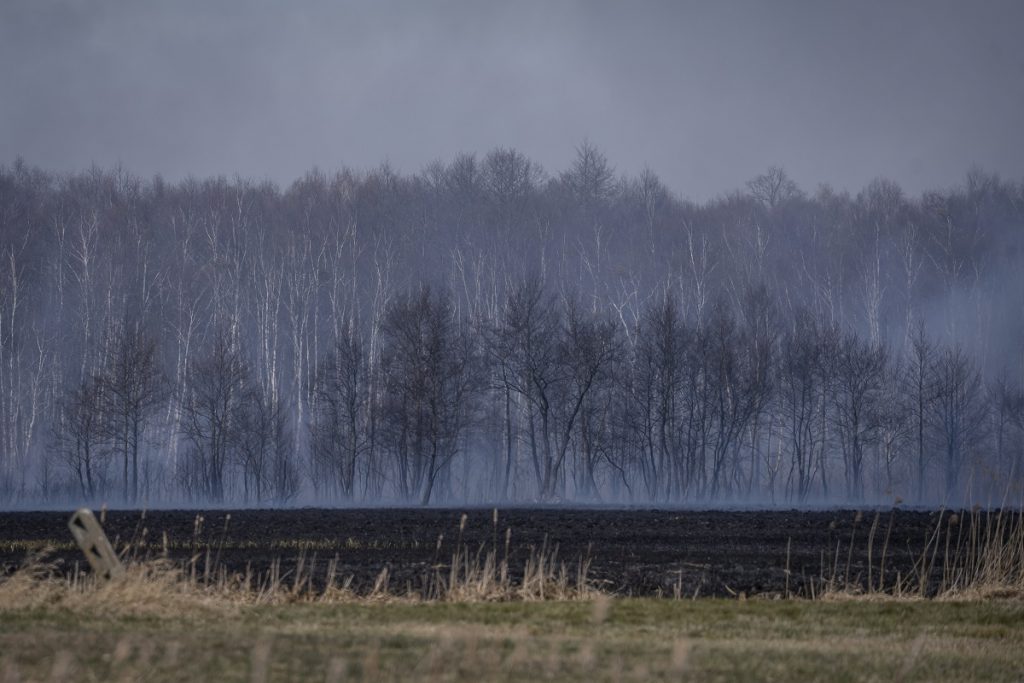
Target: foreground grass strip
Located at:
point(704, 640)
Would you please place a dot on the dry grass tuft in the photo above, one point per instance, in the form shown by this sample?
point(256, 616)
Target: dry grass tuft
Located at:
point(482, 577)
point(153, 588)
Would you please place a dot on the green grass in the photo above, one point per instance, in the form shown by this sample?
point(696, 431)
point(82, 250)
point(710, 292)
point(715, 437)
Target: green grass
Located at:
point(705, 640)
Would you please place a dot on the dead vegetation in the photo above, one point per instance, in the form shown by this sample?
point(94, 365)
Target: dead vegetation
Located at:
point(157, 586)
point(967, 555)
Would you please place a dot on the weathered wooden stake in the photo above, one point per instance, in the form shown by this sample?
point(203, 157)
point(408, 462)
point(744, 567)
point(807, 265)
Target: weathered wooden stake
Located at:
point(90, 538)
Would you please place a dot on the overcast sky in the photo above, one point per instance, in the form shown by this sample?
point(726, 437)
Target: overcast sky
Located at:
point(707, 94)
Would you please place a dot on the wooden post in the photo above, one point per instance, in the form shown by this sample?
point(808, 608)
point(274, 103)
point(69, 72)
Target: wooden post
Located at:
point(90, 538)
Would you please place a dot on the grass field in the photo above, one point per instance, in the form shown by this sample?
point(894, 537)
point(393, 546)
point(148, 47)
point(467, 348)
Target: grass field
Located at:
point(955, 613)
point(602, 640)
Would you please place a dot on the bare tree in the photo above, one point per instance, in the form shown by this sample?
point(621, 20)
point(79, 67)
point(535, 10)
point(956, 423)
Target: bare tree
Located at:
point(341, 431)
point(773, 187)
point(733, 377)
point(263, 447)
point(959, 413)
point(211, 412)
point(428, 375)
point(591, 179)
point(509, 179)
point(697, 416)
point(504, 380)
point(761, 322)
point(1007, 401)
point(527, 336)
point(133, 389)
point(857, 394)
point(919, 387)
point(589, 345)
point(894, 420)
point(800, 392)
point(79, 436)
point(698, 400)
point(662, 340)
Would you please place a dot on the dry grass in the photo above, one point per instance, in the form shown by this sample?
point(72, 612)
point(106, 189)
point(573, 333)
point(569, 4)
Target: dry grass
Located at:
point(151, 588)
point(484, 576)
point(967, 555)
point(160, 587)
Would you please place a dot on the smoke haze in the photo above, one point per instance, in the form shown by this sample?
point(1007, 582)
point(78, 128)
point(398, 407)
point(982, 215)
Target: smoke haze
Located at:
point(705, 94)
point(656, 252)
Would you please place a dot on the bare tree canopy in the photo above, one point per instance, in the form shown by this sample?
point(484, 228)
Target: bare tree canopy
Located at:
point(486, 331)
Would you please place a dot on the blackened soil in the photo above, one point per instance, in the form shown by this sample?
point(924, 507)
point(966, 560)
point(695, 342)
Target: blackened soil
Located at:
point(631, 552)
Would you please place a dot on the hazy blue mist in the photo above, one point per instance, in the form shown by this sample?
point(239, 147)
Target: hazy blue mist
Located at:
point(706, 94)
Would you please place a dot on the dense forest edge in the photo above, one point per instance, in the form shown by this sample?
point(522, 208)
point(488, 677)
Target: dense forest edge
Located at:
point(483, 331)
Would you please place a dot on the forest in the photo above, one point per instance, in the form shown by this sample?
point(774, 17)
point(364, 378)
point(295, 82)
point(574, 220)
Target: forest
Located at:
point(485, 330)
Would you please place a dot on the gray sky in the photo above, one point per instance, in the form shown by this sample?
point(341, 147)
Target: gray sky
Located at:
point(707, 94)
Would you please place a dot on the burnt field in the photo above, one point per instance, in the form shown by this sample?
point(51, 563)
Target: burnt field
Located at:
point(630, 552)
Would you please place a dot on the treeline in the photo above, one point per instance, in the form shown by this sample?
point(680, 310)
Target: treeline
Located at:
point(482, 331)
